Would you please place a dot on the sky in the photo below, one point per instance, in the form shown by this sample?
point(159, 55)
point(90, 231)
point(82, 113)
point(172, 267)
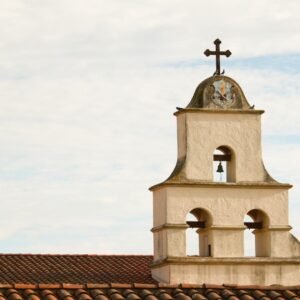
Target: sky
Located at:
point(87, 94)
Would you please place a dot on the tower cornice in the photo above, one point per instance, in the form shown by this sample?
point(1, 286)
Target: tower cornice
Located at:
point(219, 111)
point(232, 185)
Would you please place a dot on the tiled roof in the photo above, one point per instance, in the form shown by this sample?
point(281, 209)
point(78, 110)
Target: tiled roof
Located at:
point(111, 277)
point(36, 268)
point(147, 292)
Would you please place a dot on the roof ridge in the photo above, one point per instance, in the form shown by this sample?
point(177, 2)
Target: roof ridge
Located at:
point(60, 285)
point(74, 254)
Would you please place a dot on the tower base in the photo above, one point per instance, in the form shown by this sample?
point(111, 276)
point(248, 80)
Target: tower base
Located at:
point(248, 271)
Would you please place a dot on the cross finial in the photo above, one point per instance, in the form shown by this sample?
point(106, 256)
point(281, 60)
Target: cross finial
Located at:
point(217, 53)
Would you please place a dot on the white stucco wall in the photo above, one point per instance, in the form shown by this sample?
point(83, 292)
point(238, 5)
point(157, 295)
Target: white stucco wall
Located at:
point(201, 132)
point(235, 272)
point(191, 186)
point(227, 206)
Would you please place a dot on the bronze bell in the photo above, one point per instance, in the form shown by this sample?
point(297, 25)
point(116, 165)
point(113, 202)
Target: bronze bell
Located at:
point(220, 168)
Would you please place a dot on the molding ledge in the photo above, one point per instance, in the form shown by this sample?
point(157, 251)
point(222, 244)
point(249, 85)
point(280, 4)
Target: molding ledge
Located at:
point(198, 260)
point(169, 226)
point(219, 111)
point(211, 184)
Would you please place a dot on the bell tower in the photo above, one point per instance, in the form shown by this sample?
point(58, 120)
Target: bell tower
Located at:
point(219, 130)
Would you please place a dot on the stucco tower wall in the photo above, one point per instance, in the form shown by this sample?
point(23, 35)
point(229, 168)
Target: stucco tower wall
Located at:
point(200, 132)
point(219, 126)
point(227, 208)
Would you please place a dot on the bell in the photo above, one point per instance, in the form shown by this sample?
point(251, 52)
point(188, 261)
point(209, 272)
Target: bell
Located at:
point(220, 168)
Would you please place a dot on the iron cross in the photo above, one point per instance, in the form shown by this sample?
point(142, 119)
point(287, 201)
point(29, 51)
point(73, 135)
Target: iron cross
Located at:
point(217, 53)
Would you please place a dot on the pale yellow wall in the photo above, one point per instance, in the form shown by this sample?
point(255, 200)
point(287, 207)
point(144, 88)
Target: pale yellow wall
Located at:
point(234, 272)
point(181, 136)
point(191, 186)
point(228, 206)
point(227, 242)
point(159, 207)
point(169, 242)
point(201, 133)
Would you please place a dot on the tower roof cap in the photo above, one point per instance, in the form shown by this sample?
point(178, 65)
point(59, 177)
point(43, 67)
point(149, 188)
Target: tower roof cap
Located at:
point(219, 92)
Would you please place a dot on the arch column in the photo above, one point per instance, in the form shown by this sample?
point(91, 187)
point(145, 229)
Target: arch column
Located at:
point(272, 241)
point(280, 241)
point(204, 220)
point(262, 242)
point(169, 240)
point(262, 235)
point(205, 242)
point(226, 240)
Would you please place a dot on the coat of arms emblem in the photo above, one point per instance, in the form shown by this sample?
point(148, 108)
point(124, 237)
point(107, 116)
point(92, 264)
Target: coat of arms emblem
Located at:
point(223, 93)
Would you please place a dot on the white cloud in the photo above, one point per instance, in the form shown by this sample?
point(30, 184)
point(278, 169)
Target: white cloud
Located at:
point(87, 95)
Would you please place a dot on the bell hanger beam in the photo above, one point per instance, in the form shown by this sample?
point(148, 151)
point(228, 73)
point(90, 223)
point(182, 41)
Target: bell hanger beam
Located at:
point(253, 225)
point(196, 224)
point(201, 224)
point(222, 157)
point(217, 53)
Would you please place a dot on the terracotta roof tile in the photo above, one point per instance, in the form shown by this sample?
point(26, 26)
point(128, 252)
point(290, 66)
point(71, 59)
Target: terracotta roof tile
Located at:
point(30, 295)
point(24, 286)
point(196, 295)
point(179, 294)
point(212, 294)
point(97, 285)
point(147, 295)
point(112, 277)
point(120, 285)
point(64, 295)
point(260, 295)
point(114, 294)
point(5, 286)
point(131, 295)
point(244, 295)
point(163, 295)
point(98, 294)
point(49, 286)
point(13, 294)
point(81, 294)
point(48, 295)
point(144, 285)
point(228, 295)
point(46, 269)
point(191, 286)
point(275, 295)
point(290, 295)
point(154, 293)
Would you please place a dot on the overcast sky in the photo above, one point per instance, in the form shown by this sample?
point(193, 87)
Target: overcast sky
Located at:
point(87, 93)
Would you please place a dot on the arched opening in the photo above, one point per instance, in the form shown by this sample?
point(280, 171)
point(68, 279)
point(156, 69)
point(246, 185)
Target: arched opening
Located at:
point(256, 236)
point(192, 238)
point(249, 239)
point(197, 236)
point(224, 165)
